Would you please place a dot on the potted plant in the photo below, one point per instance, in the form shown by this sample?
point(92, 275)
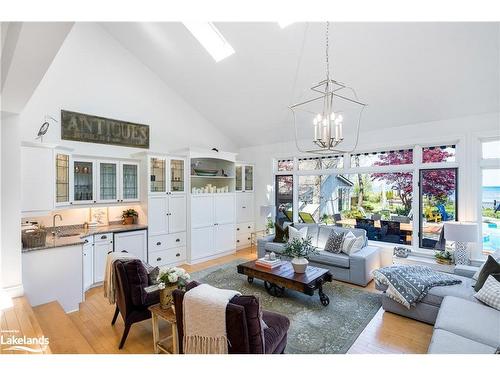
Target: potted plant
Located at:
point(443, 257)
point(129, 216)
point(299, 250)
point(170, 279)
point(270, 226)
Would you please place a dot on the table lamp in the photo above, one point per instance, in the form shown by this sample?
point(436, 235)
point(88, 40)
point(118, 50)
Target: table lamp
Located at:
point(461, 233)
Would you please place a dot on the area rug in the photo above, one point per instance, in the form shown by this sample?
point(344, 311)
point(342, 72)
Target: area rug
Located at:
point(314, 328)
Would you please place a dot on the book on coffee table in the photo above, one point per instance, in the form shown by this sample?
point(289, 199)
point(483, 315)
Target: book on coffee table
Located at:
point(262, 262)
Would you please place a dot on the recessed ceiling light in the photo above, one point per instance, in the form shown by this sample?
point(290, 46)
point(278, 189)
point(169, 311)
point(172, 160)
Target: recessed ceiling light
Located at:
point(210, 38)
point(284, 24)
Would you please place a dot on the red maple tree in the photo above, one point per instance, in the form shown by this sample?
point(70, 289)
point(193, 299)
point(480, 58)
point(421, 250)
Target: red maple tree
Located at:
point(437, 184)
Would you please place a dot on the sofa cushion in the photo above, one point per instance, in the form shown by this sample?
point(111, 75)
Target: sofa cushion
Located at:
point(325, 257)
point(491, 266)
point(296, 234)
point(334, 242)
point(490, 292)
point(352, 244)
point(444, 342)
point(470, 320)
point(463, 290)
point(274, 247)
point(323, 234)
point(312, 231)
point(280, 233)
point(277, 327)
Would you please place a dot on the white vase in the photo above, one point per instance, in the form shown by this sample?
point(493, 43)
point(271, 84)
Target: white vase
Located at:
point(300, 265)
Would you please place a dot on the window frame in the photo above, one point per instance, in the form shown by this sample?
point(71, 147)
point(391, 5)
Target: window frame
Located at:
point(414, 168)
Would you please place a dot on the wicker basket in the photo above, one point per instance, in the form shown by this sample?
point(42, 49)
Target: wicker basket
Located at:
point(33, 237)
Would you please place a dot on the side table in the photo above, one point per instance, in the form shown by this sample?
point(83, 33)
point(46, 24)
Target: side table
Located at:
point(169, 316)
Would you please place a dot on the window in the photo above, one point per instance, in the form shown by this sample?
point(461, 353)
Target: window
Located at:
point(438, 203)
point(399, 157)
point(490, 209)
point(328, 162)
point(381, 203)
point(491, 149)
point(438, 154)
point(284, 198)
point(321, 197)
point(285, 165)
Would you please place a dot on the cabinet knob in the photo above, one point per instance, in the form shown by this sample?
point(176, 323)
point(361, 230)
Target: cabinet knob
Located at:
point(95, 201)
point(237, 228)
point(178, 255)
point(178, 240)
point(237, 240)
point(244, 207)
point(248, 238)
point(249, 227)
point(158, 243)
point(104, 237)
point(86, 241)
point(158, 259)
point(70, 202)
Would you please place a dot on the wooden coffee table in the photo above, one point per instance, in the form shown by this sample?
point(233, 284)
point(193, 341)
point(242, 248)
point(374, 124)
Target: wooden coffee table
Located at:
point(277, 279)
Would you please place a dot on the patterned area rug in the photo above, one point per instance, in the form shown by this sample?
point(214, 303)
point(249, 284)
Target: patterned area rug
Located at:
point(314, 329)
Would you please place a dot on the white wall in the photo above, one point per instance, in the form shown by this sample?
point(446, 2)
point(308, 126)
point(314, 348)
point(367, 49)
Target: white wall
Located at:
point(94, 74)
point(10, 251)
point(465, 129)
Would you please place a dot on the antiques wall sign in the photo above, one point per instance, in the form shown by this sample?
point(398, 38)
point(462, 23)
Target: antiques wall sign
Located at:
point(87, 128)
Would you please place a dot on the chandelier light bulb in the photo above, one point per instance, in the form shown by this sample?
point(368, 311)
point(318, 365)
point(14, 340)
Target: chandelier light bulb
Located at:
point(332, 116)
point(340, 118)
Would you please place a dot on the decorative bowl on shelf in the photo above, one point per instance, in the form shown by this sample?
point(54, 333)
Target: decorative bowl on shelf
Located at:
point(205, 172)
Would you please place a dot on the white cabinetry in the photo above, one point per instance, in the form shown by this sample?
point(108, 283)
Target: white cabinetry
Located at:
point(212, 225)
point(244, 177)
point(133, 242)
point(167, 207)
point(103, 244)
point(88, 263)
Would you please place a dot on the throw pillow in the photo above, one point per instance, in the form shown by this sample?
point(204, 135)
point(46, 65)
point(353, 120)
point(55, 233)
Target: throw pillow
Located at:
point(334, 242)
point(153, 273)
point(296, 233)
point(495, 255)
point(491, 266)
point(490, 293)
point(280, 233)
point(352, 244)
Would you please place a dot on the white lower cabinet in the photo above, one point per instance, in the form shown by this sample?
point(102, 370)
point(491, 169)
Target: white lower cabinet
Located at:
point(134, 242)
point(167, 257)
point(212, 226)
point(88, 265)
point(103, 244)
point(244, 234)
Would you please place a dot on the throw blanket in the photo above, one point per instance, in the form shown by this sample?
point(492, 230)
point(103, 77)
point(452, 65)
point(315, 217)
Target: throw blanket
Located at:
point(409, 284)
point(109, 274)
point(205, 320)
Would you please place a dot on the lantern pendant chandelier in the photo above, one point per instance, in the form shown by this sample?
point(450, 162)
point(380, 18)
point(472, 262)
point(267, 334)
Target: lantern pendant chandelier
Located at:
point(327, 122)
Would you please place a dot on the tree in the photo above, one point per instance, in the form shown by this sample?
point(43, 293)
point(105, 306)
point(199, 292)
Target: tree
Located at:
point(437, 184)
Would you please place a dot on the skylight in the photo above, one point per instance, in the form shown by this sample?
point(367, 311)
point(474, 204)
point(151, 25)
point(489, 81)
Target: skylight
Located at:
point(210, 38)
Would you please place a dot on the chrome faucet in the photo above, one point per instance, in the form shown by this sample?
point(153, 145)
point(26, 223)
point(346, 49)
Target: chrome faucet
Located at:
point(54, 232)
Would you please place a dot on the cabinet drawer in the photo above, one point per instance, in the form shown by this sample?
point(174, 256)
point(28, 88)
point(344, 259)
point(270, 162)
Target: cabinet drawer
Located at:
point(163, 257)
point(242, 239)
point(244, 227)
point(167, 241)
point(103, 237)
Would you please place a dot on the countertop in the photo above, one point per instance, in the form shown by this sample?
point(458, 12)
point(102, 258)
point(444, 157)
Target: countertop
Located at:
point(77, 236)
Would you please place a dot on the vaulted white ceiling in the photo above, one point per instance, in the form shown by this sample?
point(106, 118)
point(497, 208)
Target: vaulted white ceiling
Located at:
point(407, 72)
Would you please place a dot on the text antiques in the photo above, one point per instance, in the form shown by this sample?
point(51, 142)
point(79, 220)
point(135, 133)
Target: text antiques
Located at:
point(87, 128)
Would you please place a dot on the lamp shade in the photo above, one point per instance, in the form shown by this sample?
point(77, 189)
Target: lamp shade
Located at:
point(460, 232)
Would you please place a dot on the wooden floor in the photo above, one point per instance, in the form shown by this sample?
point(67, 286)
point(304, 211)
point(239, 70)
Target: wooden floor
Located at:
point(89, 330)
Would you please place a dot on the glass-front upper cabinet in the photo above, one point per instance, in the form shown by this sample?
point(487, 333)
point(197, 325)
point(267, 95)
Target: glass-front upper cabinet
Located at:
point(108, 181)
point(244, 178)
point(62, 179)
point(83, 182)
point(177, 183)
point(157, 175)
point(129, 181)
point(238, 174)
point(248, 177)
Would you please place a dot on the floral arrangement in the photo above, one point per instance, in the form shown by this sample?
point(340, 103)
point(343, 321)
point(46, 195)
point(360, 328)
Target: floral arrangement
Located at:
point(299, 248)
point(173, 276)
point(444, 256)
point(129, 213)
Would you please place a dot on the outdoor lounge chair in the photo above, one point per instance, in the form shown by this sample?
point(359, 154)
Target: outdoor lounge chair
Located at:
point(307, 217)
point(289, 215)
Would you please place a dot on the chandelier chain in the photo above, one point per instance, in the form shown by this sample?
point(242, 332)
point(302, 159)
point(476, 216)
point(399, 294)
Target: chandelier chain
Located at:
point(326, 52)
